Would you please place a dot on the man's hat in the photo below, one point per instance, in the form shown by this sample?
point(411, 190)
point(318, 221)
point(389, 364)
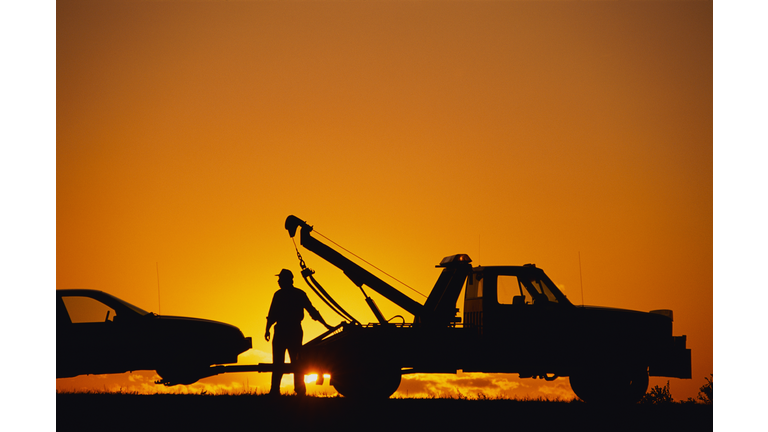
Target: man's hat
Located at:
point(285, 274)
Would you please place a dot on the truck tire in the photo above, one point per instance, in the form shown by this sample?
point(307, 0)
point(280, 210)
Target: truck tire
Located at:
point(371, 384)
point(610, 388)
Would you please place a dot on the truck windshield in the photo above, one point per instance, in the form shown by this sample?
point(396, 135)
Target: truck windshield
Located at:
point(540, 289)
point(523, 290)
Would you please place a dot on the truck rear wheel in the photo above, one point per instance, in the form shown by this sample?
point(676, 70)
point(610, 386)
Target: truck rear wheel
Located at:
point(610, 388)
point(372, 384)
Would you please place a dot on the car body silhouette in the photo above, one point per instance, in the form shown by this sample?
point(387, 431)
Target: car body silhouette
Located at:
point(97, 333)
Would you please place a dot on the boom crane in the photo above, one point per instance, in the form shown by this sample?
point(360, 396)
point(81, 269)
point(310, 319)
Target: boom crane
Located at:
point(440, 307)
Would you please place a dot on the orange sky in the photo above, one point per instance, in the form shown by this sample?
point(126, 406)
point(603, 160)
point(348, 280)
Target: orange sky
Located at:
point(514, 132)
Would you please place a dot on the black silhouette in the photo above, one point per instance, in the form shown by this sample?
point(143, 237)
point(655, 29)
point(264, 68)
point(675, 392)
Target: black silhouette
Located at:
point(97, 333)
point(286, 312)
point(516, 320)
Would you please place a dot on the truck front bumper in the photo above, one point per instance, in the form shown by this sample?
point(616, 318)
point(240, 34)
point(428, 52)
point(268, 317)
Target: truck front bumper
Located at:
point(673, 361)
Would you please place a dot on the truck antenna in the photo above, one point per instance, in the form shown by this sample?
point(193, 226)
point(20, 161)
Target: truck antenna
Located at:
point(581, 281)
point(157, 266)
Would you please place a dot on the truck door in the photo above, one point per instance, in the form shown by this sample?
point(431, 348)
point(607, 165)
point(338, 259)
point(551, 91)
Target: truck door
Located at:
point(524, 322)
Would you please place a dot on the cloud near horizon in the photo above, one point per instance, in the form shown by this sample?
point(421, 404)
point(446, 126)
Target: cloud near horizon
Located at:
point(471, 385)
point(412, 386)
point(475, 385)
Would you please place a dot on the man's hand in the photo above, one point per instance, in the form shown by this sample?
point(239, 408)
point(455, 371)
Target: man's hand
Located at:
point(266, 335)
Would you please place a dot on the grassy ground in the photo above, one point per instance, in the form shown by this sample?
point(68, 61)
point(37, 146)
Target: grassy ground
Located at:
point(120, 411)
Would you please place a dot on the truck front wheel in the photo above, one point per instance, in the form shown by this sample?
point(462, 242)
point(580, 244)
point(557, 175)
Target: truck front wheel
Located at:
point(369, 384)
point(610, 388)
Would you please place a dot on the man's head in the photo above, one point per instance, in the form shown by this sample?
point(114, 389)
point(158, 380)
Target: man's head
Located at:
point(285, 278)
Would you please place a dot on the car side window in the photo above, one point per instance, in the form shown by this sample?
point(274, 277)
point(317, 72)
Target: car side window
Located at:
point(62, 317)
point(87, 310)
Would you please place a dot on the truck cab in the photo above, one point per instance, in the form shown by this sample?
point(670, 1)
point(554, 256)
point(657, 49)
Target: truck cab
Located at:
point(525, 324)
point(523, 321)
point(500, 291)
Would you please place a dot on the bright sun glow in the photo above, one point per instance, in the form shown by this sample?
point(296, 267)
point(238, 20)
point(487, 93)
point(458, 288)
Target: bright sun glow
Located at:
point(312, 378)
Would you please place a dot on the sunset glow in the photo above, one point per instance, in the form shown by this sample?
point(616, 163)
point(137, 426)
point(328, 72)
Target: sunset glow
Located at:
point(573, 135)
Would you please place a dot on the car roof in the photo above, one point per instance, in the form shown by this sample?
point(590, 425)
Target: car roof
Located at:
point(100, 295)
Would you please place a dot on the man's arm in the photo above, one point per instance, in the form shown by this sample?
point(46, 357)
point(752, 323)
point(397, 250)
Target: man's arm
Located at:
point(321, 320)
point(314, 313)
point(270, 317)
point(270, 321)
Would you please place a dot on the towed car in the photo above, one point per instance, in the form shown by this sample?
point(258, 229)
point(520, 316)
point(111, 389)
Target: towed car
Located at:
point(97, 333)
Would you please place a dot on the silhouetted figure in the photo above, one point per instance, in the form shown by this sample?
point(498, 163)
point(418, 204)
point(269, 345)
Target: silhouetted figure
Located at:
point(287, 310)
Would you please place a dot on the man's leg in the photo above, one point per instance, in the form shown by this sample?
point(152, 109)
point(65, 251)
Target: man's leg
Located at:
point(298, 378)
point(278, 360)
point(296, 338)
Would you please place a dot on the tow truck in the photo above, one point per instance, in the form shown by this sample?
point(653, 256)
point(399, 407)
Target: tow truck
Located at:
point(515, 320)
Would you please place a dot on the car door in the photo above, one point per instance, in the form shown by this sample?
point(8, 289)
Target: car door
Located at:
point(87, 338)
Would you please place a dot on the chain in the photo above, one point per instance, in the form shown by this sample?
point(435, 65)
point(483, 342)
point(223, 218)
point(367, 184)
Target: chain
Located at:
point(298, 254)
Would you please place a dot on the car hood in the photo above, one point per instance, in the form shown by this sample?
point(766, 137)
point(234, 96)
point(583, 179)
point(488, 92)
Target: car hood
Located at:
point(193, 321)
point(198, 329)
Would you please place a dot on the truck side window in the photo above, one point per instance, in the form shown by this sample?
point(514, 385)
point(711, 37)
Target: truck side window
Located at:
point(507, 288)
point(87, 310)
point(474, 288)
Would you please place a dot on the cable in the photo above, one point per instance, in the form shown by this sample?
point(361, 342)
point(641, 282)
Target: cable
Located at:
point(330, 301)
point(363, 260)
point(306, 273)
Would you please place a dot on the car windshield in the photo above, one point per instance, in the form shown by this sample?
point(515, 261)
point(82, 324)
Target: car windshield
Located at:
point(136, 309)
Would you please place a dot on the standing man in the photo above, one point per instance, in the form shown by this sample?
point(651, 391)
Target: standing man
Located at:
point(287, 310)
